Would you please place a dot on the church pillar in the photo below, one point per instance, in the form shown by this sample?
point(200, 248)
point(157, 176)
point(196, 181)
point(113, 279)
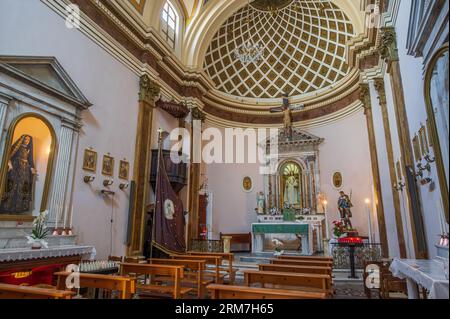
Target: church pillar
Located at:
point(378, 200)
point(3, 109)
point(58, 201)
point(197, 118)
point(379, 86)
point(389, 52)
point(148, 91)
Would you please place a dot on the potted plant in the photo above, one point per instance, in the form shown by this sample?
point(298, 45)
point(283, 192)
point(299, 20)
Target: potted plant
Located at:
point(40, 232)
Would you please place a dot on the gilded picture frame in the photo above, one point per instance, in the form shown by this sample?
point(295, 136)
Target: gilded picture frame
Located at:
point(108, 165)
point(247, 184)
point(338, 180)
point(124, 170)
point(90, 160)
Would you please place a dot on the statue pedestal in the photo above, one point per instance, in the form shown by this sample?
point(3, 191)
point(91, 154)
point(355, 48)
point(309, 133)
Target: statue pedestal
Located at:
point(226, 244)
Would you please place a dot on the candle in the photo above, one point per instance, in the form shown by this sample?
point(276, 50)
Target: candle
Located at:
point(325, 203)
point(369, 219)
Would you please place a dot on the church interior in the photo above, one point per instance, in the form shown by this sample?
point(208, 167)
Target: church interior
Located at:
point(224, 149)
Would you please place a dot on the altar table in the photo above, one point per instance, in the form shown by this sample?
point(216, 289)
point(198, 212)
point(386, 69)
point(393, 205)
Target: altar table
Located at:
point(427, 273)
point(302, 229)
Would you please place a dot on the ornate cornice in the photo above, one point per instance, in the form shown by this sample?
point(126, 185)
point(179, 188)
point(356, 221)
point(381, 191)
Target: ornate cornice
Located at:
point(148, 90)
point(177, 110)
point(379, 86)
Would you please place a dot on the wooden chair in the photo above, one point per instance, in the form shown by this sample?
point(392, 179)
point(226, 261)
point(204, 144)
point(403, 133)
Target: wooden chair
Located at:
point(238, 292)
point(318, 270)
point(25, 292)
point(304, 282)
point(125, 285)
point(215, 263)
point(312, 263)
point(194, 267)
point(225, 256)
point(175, 272)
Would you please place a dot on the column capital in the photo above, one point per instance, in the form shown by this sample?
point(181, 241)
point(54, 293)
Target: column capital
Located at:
point(388, 45)
point(364, 96)
point(148, 90)
point(198, 114)
point(379, 86)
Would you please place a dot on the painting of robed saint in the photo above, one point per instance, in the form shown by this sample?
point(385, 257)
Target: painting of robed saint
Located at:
point(19, 185)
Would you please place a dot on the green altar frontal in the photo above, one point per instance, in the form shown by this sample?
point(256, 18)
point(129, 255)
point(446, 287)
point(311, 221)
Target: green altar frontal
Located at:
point(280, 228)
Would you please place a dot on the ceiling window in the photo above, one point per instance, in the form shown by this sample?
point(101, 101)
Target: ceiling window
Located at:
point(169, 23)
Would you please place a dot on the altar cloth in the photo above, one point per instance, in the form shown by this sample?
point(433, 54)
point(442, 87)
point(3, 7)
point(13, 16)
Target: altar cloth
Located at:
point(280, 228)
point(427, 273)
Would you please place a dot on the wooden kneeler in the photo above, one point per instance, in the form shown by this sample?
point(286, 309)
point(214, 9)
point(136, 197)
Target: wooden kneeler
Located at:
point(26, 292)
point(319, 270)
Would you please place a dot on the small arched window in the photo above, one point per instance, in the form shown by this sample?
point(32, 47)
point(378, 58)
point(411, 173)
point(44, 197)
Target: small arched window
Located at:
point(169, 24)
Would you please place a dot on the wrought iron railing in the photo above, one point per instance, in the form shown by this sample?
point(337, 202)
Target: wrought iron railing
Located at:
point(207, 246)
point(363, 252)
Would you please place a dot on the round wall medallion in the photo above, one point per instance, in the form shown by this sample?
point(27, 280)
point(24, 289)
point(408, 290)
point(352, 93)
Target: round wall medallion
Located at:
point(337, 180)
point(247, 184)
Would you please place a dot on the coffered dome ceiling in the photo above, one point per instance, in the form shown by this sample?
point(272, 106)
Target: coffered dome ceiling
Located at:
point(304, 49)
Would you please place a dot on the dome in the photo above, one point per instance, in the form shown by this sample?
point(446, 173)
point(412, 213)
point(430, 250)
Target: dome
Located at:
point(304, 49)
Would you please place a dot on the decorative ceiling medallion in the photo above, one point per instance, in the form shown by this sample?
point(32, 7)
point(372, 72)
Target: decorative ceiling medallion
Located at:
point(270, 5)
point(304, 50)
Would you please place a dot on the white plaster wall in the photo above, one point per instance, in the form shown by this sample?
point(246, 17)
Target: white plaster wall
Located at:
point(412, 73)
point(345, 149)
point(31, 28)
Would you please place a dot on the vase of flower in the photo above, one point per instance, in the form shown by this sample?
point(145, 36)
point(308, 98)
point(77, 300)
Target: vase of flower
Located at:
point(39, 232)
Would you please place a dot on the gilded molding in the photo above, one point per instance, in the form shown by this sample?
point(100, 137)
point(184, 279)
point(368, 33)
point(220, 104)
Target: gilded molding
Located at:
point(148, 90)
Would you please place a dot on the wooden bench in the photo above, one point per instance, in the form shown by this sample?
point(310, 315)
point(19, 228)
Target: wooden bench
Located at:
point(302, 262)
point(304, 282)
point(26, 292)
point(175, 272)
point(314, 258)
point(125, 285)
point(195, 267)
point(214, 261)
point(229, 257)
point(239, 239)
point(239, 292)
point(296, 269)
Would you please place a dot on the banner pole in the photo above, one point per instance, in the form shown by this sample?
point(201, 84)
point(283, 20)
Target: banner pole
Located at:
point(160, 131)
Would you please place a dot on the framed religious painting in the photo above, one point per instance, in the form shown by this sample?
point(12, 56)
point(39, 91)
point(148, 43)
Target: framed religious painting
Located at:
point(108, 165)
point(337, 180)
point(124, 170)
point(90, 160)
point(424, 145)
point(416, 148)
point(247, 184)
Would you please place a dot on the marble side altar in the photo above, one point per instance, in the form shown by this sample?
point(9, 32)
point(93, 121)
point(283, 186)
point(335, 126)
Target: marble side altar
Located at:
point(303, 228)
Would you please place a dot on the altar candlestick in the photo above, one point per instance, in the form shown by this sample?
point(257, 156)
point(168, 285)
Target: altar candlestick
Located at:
point(327, 230)
point(369, 220)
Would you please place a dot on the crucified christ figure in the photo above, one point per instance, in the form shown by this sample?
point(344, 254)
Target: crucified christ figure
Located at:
point(287, 109)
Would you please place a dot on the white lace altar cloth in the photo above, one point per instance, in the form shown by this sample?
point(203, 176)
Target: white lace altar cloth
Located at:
point(16, 254)
point(427, 273)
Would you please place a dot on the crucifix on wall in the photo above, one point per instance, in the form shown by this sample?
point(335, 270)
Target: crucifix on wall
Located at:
point(286, 108)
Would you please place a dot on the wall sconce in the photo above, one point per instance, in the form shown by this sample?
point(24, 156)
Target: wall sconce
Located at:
point(399, 186)
point(107, 192)
point(124, 186)
point(418, 174)
point(425, 181)
point(429, 159)
point(89, 178)
point(108, 182)
point(422, 168)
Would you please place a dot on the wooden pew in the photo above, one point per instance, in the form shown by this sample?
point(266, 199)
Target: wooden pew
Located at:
point(302, 262)
point(239, 292)
point(305, 282)
point(315, 258)
point(26, 292)
point(125, 285)
point(239, 239)
point(225, 256)
point(214, 261)
point(195, 267)
point(175, 272)
point(297, 269)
